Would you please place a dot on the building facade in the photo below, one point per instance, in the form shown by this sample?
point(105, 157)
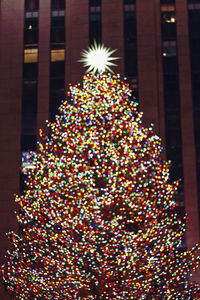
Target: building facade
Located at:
point(158, 42)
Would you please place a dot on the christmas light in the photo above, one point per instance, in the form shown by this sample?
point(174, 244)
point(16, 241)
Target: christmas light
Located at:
point(98, 219)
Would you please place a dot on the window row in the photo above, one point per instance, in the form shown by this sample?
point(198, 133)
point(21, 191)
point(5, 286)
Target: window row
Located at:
point(195, 6)
point(31, 55)
point(31, 36)
point(31, 5)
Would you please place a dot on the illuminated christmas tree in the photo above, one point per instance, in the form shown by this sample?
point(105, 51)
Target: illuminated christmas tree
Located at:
point(98, 219)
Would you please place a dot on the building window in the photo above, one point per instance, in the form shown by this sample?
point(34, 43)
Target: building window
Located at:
point(57, 69)
point(29, 96)
point(167, 2)
point(29, 99)
point(58, 22)
point(95, 21)
point(57, 4)
point(29, 105)
point(58, 13)
point(171, 89)
point(30, 15)
point(58, 30)
point(194, 17)
point(30, 71)
point(31, 38)
point(95, 9)
point(57, 8)
point(57, 55)
point(194, 34)
point(168, 22)
point(133, 84)
point(169, 48)
point(57, 86)
point(31, 24)
point(194, 6)
point(167, 8)
point(95, 3)
point(58, 36)
point(55, 102)
point(31, 32)
point(29, 124)
point(28, 142)
point(130, 38)
point(168, 16)
point(31, 5)
point(31, 55)
point(129, 7)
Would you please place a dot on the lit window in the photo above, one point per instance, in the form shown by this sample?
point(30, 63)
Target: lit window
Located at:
point(27, 161)
point(169, 19)
point(172, 20)
point(167, 7)
point(57, 55)
point(31, 55)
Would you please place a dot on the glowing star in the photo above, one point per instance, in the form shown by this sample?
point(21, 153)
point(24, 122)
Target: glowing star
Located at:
point(98, 58)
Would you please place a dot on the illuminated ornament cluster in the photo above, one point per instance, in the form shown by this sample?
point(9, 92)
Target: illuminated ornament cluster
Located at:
point(98, 58)
point(98, 220)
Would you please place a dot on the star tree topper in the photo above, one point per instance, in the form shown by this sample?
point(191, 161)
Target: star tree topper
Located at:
point(98, 58)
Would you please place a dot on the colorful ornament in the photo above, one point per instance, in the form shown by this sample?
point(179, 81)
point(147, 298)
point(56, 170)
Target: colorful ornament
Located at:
point(98, 219)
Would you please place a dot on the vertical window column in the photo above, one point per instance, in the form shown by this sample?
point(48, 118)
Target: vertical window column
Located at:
point(30, 76)
point(171, 89)
point(95, 21)
point(57, 64)
point(194, 34)
point(130, 41)
point(149, 64)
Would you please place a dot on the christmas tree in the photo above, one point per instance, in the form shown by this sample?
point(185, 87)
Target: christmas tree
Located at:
point(98, 219)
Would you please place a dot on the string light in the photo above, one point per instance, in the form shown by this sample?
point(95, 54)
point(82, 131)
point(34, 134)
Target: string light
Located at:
point(98, 218)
